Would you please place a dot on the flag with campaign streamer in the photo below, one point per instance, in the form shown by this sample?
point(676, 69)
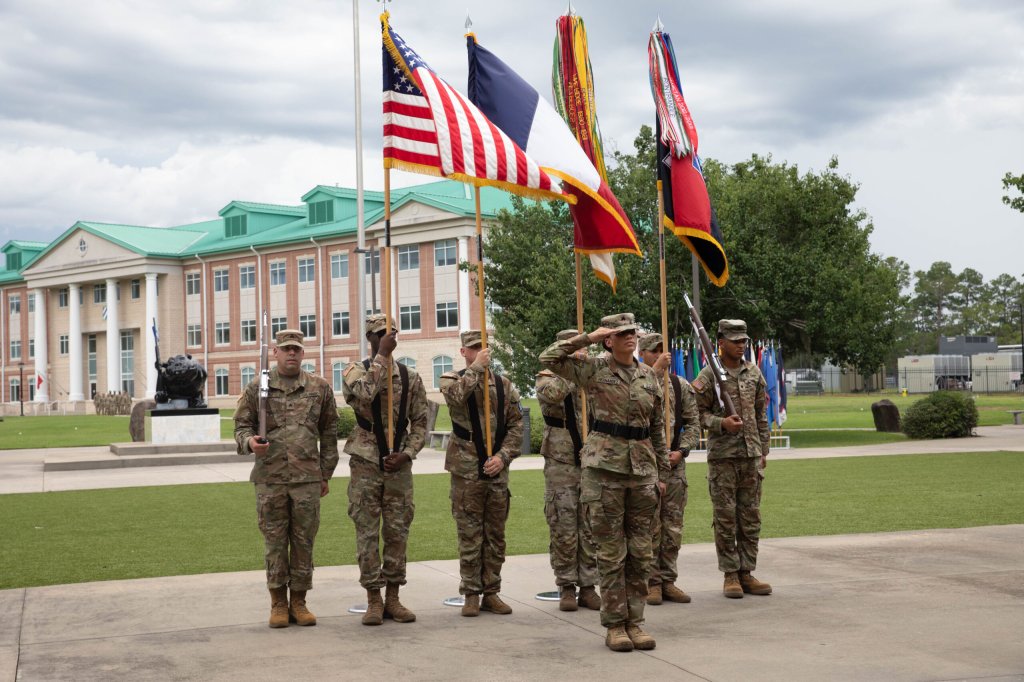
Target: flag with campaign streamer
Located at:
point(601, 226)
point(688, 210)
point(431, 128)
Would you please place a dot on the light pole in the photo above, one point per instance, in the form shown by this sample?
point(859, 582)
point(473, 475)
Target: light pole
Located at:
point(21, 386)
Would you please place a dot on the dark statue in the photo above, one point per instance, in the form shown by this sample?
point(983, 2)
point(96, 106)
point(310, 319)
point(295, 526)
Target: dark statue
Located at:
point(179, 383)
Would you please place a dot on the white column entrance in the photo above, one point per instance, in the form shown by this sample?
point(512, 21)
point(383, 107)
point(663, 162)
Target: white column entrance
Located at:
point(113, 338)
point(464, 306)
point(147, 331)
point(43, 392)
point(75, 343)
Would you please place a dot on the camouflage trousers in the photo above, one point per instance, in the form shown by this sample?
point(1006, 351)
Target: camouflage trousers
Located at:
point(480, 509)
point(621, 508)
point(380, 505)
point(289, 517)
point(571, 547)
point(735, 486)
point(668, 528)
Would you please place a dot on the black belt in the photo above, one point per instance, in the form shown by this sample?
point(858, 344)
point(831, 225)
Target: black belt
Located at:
point(462, 433)
point(554, 422)
point(621, 430)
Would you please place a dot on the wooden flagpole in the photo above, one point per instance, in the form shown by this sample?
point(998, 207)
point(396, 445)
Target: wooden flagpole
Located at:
point(483, 318)
point(386, 273)
point(664, 306)
point(579, 326)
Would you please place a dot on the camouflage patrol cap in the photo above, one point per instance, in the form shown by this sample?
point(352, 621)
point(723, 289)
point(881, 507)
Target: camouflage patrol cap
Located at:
point(471, 338)
point(289, 337)
point(650, 342)
point(734, 330)
point(622, 322)
point(566, 334)
point(377, 322)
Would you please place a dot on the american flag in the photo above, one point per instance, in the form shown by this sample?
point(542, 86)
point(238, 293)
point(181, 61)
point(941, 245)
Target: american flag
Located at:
point(430, 128)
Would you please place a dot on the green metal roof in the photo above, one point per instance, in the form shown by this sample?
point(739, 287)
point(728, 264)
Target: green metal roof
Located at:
point(25, 245)
point(276, 209)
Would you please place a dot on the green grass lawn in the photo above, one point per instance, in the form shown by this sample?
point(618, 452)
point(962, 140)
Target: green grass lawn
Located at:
point(854, 411)
point(77, 536)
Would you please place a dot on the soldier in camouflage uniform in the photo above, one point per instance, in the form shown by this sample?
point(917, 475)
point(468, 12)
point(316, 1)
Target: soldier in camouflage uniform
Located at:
point(737, 457)
point(571, 547)
point(684, 429)
point(625, 458)
point(291, 473)
point(479, 493)
point(380, 496)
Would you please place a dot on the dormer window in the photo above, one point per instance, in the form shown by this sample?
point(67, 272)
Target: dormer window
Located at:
point(236, 225)
point(321, 212)
point(14, 260)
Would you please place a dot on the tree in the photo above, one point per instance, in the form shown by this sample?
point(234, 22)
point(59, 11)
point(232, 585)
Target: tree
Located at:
point(1011, 182)
point(934, 296)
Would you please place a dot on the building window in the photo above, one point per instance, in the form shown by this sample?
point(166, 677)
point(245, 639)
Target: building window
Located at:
point(248, 331)
point(136, 288)
point(15, 349)
point(307, 269)
point(321, 212)
point(14, 261)
point(246, 276)
point(14, 303)
point(221, 381)
point(236, 225)
point(408, 362)
point(278, 324)
point(99, 293)
point(409, 318)
point(371, 262)
point(64, 344)
point(307, 325)
point(222, 333)
point(445, 252)
point(337, 376)
point(31, 348)
point(220, 280)
point(248, 376)
point(448, 315)
point(62, 298)
point(128, 362)
point(278, 273)
point(193, 285)
point(195, 335)
point(339, 265)
point(442, 364)
point(31, 303)
point(15, 390)
point(339, 324)
point(408, 257)
point(308, 367)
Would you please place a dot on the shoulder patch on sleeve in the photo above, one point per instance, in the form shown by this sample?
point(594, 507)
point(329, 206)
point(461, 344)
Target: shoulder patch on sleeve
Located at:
point(699, 384)
point(345, 372)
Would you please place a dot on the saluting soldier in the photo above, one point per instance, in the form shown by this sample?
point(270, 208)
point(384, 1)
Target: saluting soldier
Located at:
point(571, 547)
point(684, 428)
point(623, 459)
point(380, 490)
point(479, 493)
point(292, 472)
point(737, 456)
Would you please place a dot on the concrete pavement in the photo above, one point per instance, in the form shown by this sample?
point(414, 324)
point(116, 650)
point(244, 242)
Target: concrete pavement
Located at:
point(928, 605)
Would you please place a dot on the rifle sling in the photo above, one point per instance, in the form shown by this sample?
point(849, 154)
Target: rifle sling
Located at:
point(677, 425)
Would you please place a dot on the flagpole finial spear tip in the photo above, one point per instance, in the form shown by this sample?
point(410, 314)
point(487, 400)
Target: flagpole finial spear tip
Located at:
point(572, 10)
point(658, 26)
point(469, 21)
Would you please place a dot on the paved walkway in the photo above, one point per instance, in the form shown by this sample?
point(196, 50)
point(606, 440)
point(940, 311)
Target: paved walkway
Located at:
point(21, 471)
point(930, 605)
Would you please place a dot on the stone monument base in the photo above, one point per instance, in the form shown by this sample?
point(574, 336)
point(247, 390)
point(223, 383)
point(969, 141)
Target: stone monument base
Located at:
point(193, 425)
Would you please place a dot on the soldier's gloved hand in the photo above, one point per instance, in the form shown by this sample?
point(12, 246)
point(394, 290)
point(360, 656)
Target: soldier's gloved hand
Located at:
point(662, 363)
point(675, 457)
point(395, 461)
point(493, 465)
point(483, 359)
point(732, 424)
point(257, 448)
point(388, 343)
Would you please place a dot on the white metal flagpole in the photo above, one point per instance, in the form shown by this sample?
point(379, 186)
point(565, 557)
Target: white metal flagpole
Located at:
point(360, 228)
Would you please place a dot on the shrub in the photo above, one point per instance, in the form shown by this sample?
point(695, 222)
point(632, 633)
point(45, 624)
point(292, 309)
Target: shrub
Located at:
point(536, 430)
point(346, 422)
point(943, 414)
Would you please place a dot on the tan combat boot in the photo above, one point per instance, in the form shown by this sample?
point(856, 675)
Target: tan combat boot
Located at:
point(588, 598)
point(617, 639)
point(492, 602)
point(567, 598)
point(278, 607)
point(297, 611)
point(641, 640)
point(673, 593)
point(374, 608)
point(752, 585)
point(654, 595)
point(394, 608)
point(471, 606)
point(731, 588)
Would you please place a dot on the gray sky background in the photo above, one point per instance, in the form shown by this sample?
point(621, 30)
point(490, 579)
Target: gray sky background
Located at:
point(161, 113)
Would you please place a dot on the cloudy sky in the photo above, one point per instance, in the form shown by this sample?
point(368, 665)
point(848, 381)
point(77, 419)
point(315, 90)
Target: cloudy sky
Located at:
point(160, 113)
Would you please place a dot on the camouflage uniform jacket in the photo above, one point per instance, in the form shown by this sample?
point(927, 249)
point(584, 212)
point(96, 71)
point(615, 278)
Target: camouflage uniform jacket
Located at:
point(620, 395)
point(301, 414)
point(551, 393)
point(461, 458)
point(690, 437)
point(362, 385)
point(746, 386)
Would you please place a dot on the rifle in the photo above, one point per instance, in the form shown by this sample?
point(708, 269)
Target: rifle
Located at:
point(724, 399)
point(261, 435)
